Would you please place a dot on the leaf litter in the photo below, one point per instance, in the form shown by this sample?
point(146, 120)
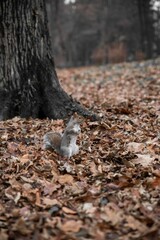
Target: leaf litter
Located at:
point(111, 189)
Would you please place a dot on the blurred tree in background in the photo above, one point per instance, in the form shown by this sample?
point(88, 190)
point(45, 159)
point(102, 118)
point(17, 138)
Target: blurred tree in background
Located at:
point(87, 32)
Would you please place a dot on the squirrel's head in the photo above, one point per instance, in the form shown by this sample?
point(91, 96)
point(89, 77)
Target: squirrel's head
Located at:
point(74, 125)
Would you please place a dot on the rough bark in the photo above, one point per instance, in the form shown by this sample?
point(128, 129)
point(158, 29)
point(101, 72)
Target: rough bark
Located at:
point(28, 80)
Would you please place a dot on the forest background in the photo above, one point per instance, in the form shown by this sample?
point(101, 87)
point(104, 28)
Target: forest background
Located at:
point(85, 32)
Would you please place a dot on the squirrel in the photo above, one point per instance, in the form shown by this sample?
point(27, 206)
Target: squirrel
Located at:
point(64, 144)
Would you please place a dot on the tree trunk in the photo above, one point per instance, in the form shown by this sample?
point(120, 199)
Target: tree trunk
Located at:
point(28, 80)
point(147, 27)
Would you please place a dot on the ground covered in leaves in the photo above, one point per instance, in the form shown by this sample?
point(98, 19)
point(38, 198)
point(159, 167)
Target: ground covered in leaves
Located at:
point(111, 189)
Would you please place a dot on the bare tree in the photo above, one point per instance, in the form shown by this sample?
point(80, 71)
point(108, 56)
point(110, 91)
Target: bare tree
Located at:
point(29, 85)
point(146, 24)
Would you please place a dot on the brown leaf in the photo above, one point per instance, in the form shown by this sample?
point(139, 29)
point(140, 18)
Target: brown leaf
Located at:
point(135, 224)
point(135, 147)
point(38, 201)
point(50, 202)
point(3, 234)
point(15, 184)
point(93, 168)
point(21, 227)
point(71, 226)
point(12, 147)
point(144, 160)
point(112, 214)
point(68, 210)
point(50, 188)
point(25, 212)
point(17, 197)
point(5, 136)
point(63, 179)
point(25, 158)
point(28, 180)
point(10, 193)
point(155, 182)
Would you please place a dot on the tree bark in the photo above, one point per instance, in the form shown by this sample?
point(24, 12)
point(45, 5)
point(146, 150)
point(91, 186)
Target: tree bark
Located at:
point(28, 80)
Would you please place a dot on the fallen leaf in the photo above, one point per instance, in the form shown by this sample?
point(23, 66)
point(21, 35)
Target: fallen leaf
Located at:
point(63, 179)
point(135, 147)
point(21, 227)
point(93, 168)
point(3, 234)
point(71, 226)
point(68, 210)
point(28, 180)
point(50, 188)
point(17, 197)
point(12, 147)
point(135, 224)
point(38, 200)
point(25, 212)
point(25, 158)
point(50, 202)
point(144, 160)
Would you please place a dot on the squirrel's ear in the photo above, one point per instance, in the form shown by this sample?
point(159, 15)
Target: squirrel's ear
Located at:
point(75, 119)
point(75, 115)
point(71, 119)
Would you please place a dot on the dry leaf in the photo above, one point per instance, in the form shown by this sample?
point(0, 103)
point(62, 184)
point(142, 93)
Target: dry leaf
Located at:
point(25, 158)
point(93, 168)
point(17, 197)
point(50, 202)
point(135, 224)
point(28, 180)
point(12, 147)
point(71, 226)
point(3, 234)
point(144, 160)
point(50, 188)
point(135, 147)
point(65, 179)
point(112, 214)
point(68, 210)
point(21, 227)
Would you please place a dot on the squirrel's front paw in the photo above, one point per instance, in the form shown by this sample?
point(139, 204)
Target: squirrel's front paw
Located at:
point(75, 150)
point(66, 152)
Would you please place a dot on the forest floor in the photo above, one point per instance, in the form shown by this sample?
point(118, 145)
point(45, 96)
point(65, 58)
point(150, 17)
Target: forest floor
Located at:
point(111, 189)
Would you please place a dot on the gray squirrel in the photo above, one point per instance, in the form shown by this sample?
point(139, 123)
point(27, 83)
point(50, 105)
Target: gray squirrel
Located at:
point(64, 144)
